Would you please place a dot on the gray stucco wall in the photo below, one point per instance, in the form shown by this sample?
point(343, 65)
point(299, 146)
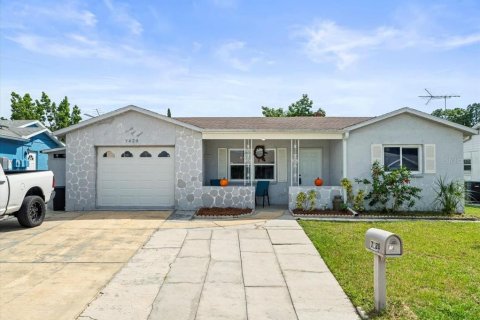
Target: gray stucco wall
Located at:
point(408, 129)
point(278, 191)
point(130, 129)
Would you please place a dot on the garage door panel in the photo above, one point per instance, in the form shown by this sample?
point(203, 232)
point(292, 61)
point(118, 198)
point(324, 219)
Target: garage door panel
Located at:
point(136, 181)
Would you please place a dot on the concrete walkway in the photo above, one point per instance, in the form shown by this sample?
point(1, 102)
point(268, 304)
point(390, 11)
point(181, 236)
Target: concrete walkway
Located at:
point(258, 270)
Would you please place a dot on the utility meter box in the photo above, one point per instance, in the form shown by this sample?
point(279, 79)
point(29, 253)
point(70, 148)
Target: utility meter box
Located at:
point(383, 243)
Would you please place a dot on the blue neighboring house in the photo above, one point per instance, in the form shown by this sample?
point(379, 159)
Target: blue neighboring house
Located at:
point(21, 142)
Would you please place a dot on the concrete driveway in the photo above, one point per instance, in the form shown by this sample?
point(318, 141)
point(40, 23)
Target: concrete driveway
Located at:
point(53, 271)
point(245, 269)
point(138, 265)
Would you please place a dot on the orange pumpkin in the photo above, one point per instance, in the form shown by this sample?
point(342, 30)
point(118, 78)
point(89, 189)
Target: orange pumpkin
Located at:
point(318, 182)
point(223, 182)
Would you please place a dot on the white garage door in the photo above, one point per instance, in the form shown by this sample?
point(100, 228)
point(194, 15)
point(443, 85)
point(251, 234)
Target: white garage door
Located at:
point(135, 176)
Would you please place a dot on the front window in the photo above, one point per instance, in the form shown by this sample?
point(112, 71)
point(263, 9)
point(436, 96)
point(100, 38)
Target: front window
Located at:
point(395, 157)
point(237, 165)
point(263, 170)
point(467, 165)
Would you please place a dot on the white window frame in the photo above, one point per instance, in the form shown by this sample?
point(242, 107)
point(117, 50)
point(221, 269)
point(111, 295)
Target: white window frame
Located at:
point(467, 156)
point(252, 165)
point(274, 164)
point(401, 146)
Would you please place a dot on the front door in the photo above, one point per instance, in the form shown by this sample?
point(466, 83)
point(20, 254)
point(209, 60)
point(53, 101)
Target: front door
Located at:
point(310, 165)
point(32, 161)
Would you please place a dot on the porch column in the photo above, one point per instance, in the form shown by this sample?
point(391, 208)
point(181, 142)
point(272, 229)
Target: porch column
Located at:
point(344, 145)
point(294, 161)
point(247, 161)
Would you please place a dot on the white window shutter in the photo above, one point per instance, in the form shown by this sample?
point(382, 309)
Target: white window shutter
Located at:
point(282, 169)
point(377, 153)
point(222, 163)
point(430, 158)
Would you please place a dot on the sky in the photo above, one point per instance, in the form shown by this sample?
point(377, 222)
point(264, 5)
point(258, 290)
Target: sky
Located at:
point(230, 57)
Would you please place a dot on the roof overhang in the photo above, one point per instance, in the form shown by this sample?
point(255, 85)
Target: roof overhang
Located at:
point(33, 122)
point(120, 111)
point(12, 138)
point(62, 149)
point(465, 130)
point(271, 135)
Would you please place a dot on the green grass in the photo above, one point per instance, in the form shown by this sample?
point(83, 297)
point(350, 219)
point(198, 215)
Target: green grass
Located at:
point(438, 277)
point(471, 211)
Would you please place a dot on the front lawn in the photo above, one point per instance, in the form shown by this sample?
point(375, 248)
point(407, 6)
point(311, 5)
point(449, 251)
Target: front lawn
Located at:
point(437, 278)
point(472, 211)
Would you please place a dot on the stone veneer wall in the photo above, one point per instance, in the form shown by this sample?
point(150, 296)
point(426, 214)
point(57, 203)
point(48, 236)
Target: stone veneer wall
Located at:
point(80, 170)
point(229, 196)
point(188, 169)
point(324, 195)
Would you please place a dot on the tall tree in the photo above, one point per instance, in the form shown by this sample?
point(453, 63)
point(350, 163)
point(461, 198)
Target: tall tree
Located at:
point(300, 108)
point(45, 111)
point(24, 108)
point(169, 113)
point(469, 116)
point(75, 117)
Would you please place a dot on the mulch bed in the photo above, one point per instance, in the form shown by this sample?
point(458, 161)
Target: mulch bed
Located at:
point(318, 212)
point(223, 212)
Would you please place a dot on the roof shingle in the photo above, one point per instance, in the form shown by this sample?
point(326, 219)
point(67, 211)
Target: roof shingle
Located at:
point(271, 123)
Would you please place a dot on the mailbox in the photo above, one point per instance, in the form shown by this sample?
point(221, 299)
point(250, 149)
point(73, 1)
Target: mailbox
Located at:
point(383, 243)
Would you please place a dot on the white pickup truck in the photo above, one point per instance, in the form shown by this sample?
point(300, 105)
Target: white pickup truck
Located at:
point(23, 194)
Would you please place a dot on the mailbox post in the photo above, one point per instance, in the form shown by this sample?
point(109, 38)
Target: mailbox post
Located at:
point(383, 244)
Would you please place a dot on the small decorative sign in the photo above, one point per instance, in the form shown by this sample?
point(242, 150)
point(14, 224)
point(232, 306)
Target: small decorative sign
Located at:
point(134, 135)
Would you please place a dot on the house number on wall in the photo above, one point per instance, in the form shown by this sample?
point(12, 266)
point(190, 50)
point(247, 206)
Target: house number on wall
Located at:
point(134, 135)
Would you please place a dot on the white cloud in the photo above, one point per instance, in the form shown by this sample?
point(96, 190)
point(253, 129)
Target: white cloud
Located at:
point(326, 41)
point(233, 53)
point(120, 13)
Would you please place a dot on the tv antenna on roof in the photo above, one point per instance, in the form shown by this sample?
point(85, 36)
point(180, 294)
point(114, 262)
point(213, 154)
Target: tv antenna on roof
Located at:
point(89, 115)
point(444, 97)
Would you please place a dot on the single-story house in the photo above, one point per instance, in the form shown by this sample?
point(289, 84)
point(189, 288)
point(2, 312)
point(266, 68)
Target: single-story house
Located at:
point(471, 165)
point(136, 158)
point(21, 142)
point(471, 149)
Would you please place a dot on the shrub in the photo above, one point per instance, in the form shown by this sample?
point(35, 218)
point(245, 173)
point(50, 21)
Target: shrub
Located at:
point(306, 201)
point(448, 195)
point(358, 201)
point(301, 200)
point(347, 185)
point(390, 188)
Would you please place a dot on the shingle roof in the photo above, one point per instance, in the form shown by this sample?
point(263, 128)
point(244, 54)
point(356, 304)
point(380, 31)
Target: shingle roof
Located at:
point(271, 123)
point(13, 129)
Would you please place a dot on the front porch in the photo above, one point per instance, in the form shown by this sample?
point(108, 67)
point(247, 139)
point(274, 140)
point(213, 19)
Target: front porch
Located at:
point(289, 166)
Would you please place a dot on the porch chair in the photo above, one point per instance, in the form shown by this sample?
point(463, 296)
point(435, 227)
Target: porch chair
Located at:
point(215, 182)
point(261, 190)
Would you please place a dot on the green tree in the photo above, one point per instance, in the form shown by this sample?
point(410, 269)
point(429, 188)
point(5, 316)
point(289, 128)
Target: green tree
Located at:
point(169, 113)
point(300, 108)
point(75, 117)
point(467, 117)
point(44, 110)
point(24, 108)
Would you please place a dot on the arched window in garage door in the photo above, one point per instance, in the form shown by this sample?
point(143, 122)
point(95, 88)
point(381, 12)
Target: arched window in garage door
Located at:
point(127, 154)
point(164, 154)
point(109, 154)
point(145, 154)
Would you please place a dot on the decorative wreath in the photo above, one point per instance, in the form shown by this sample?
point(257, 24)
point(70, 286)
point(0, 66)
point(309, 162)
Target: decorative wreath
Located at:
point(260, 153)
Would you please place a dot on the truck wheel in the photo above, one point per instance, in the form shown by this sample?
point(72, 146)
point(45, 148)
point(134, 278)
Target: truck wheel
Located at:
point(32, 212)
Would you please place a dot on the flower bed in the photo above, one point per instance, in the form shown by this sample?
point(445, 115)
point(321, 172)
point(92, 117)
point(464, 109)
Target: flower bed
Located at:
point(223, 212)
point(318, 212)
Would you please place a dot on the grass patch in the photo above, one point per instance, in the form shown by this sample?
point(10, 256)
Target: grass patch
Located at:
point(438, 277)
point(472, 211)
